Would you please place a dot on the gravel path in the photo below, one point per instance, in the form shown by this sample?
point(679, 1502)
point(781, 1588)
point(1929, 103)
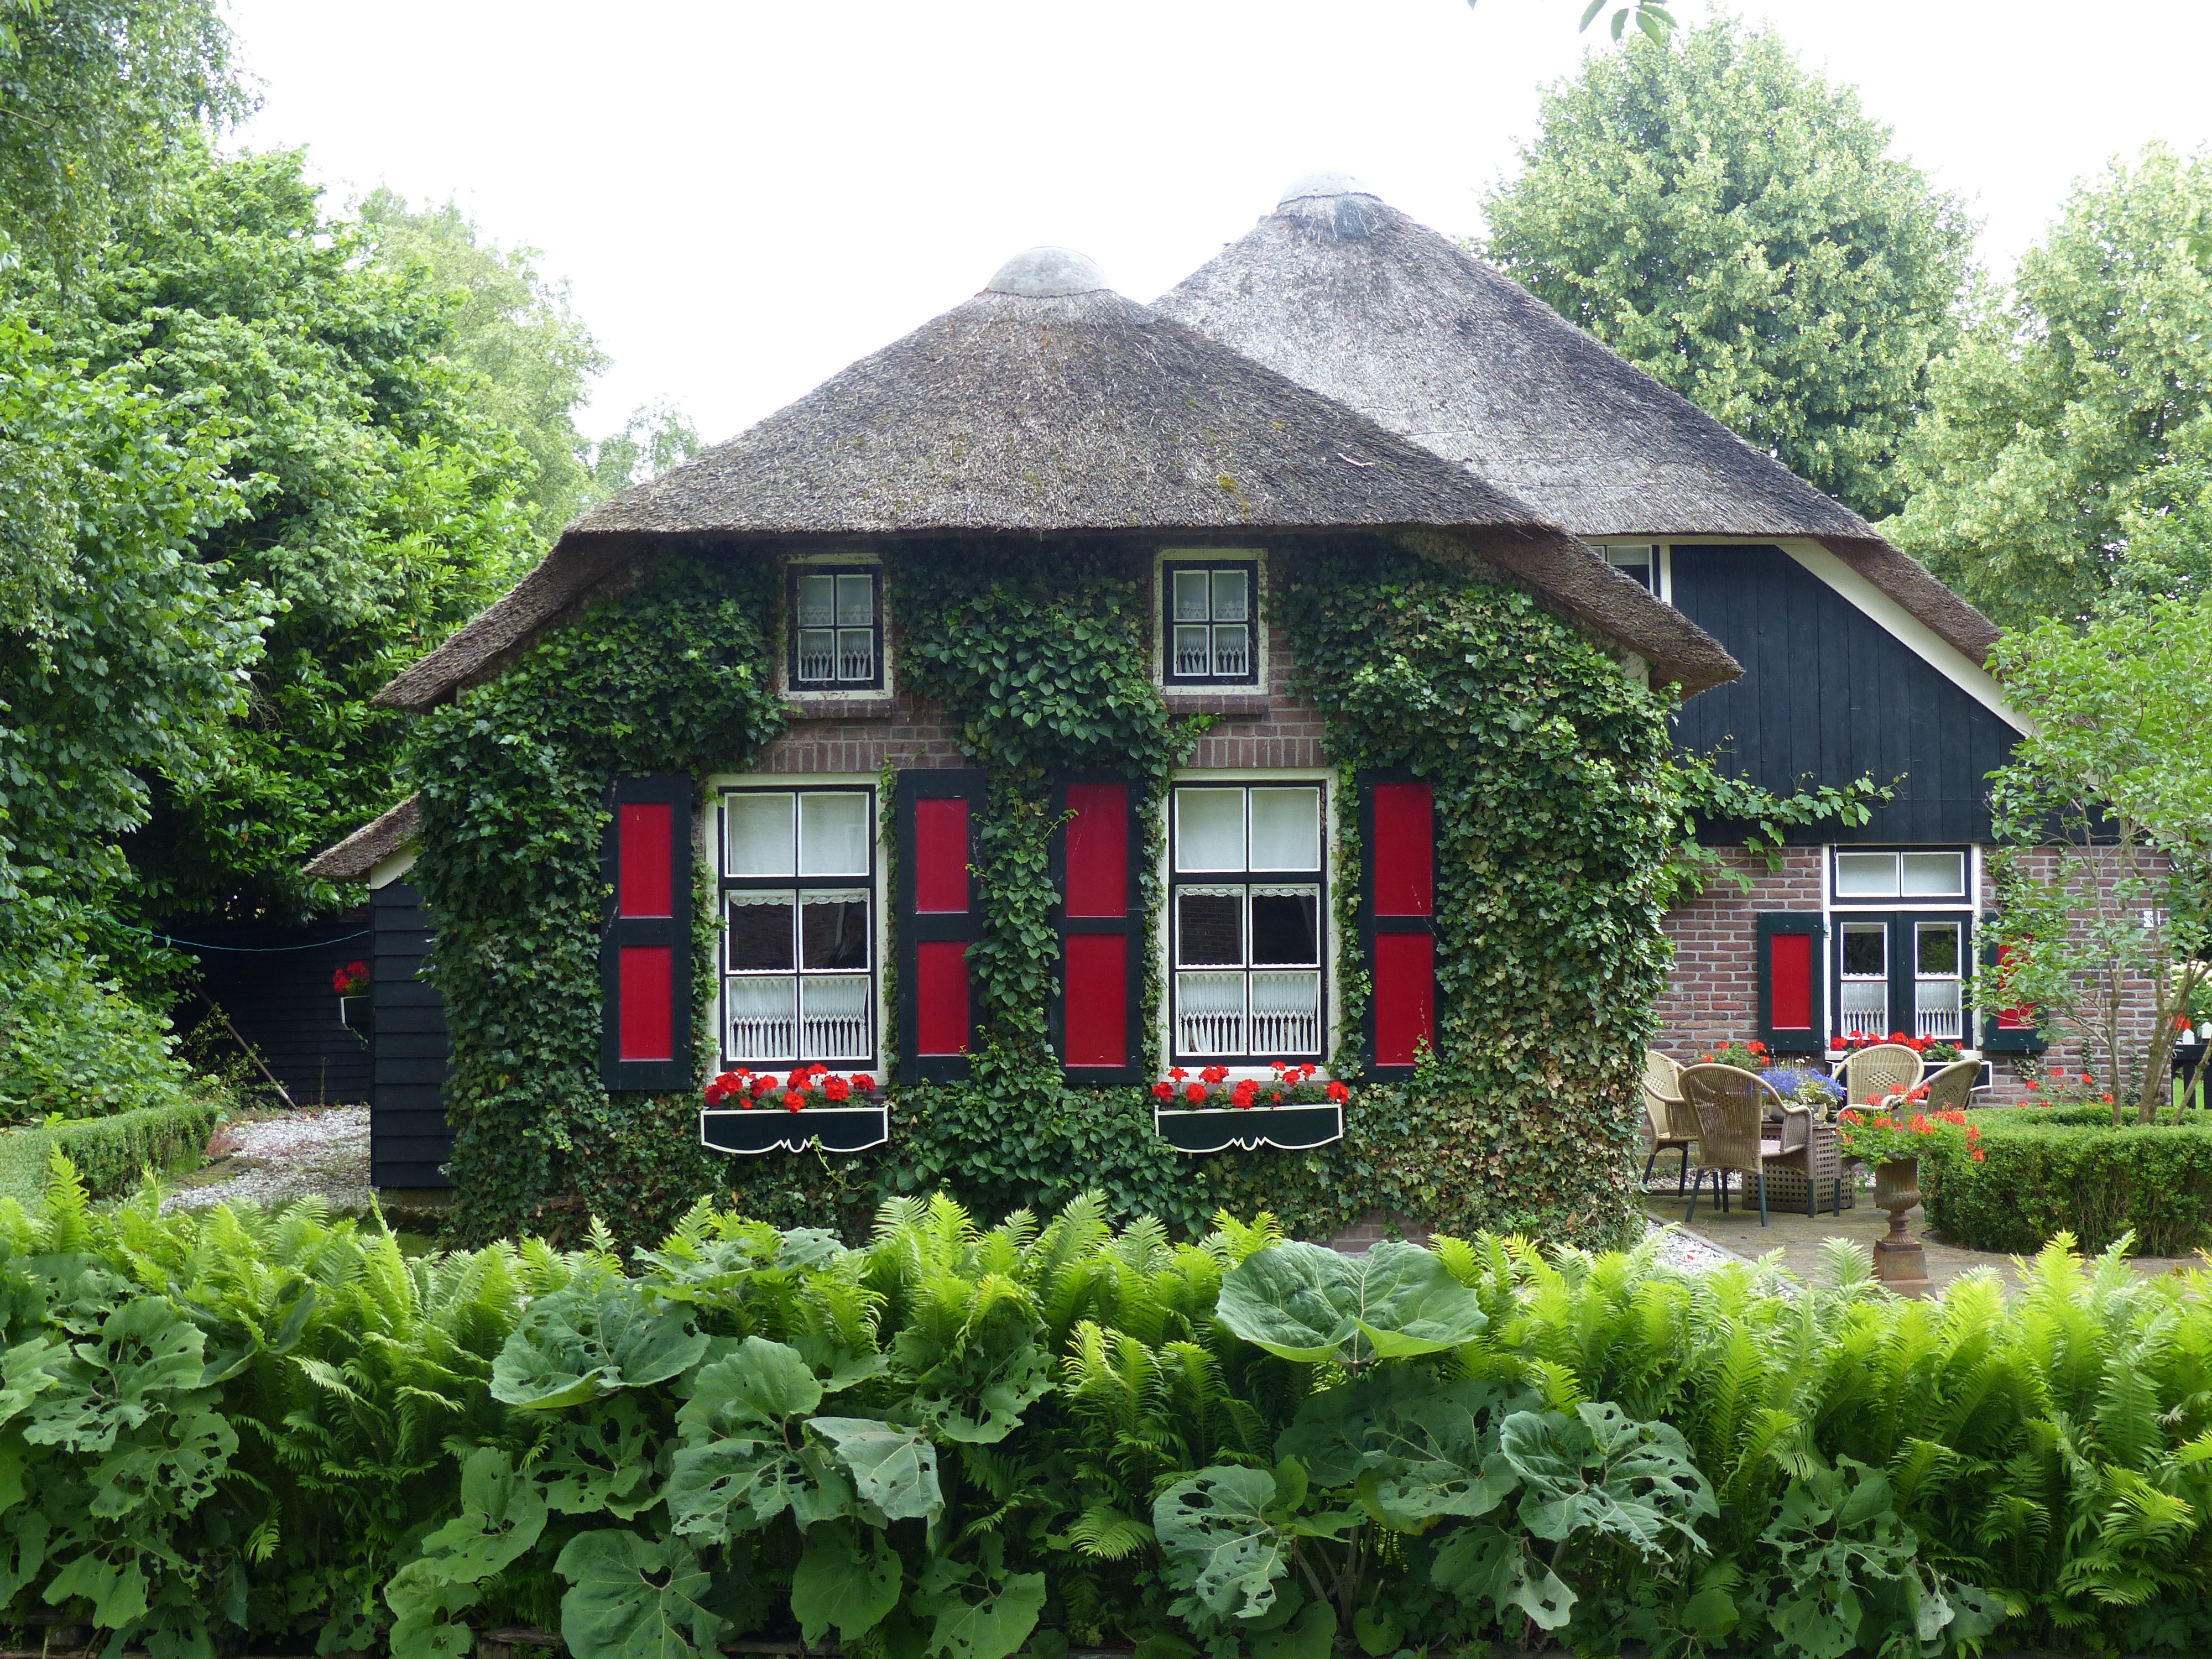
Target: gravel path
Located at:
point(1682, 1249)
point(295, 1156)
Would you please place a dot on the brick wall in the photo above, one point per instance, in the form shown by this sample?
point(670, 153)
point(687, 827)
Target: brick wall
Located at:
point(830, 735)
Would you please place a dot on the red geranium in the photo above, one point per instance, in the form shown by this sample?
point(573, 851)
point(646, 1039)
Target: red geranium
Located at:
point(792, 1100)
point(1177, 1072)
point(1195, 1094)
point(1163, 1090)
point(1244, 1094)
point(837, 1088)
point(1215, 1075)
point(350, 980)
point(1338, 1092)
point(865, 1082)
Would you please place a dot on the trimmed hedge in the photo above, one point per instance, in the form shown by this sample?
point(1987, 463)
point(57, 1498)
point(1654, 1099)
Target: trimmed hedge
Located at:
point(110, 1153)
point(2068, 1169)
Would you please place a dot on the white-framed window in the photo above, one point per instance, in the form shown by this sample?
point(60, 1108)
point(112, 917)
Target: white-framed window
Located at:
point(1637, 561)
point(1247, 912)
point(1903, 919)
point(836, 613)
point(799, 925)
point(1210, 619)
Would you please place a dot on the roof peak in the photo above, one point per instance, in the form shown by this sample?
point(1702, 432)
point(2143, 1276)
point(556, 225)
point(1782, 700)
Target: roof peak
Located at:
point(1322, 184)
point(1048, 273)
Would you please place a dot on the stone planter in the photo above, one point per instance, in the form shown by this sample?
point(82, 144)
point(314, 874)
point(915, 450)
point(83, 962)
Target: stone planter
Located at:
point(1898, 1262)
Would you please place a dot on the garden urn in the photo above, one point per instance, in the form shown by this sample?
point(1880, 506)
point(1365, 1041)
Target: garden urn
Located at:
point(1898, 1262)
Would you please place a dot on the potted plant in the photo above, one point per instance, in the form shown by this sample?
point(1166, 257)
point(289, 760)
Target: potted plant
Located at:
point(1290, 1111)
point(1893, 1143)
point(749, 1112)
point(1800, 1086)
point(1751, 1056)
point(351, 983)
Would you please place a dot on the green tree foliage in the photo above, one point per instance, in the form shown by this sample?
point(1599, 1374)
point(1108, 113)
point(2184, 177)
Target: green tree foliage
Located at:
point(382, 508)
point(656, 437)
point(95, 97)
point(512, 326)
point(2063, 460)
point(1734, 226)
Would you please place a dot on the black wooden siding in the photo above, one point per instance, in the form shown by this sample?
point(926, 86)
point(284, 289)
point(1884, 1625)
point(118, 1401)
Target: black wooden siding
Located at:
point(275, 985)
point(1827, 691)
point(408, 1140)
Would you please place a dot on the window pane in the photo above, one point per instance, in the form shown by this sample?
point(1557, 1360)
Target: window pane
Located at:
point(856, 653)
point(833, 1018)
point(1937, 1009)
point(1934, 875)
point(1285, 829)
point(833, 834)
point(818, 654)
point(1210, 1014)
point(1866, 1007)
point(1866, 950)
point(1634, 562)
point(761, 1026)
point(1190, 596)
point(1285, 1014)
point(757, 828)
point(1939, 947)
point(1232, 601)
point(817, 601)
point(1193, 650)
point(1232, 652)
point(1287, 926)
point(1210, 927)
point(1209, 828)
point(834, 930)
point(856, 601)
point(1866, 875)
point(760, 932)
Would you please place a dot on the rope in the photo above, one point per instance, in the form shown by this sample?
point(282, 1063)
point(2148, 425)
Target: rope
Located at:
point(243, 950)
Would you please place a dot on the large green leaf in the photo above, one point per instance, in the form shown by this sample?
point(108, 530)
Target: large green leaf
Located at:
point(502, 1514)
point(144, 1350)
point(1485, 1564)
point(600, 1459)
point(1416, 1447)
point(589, 1340)
point(1308, 1303)
point(741, 1484)
point(978, 1612)
point(1602, 1470)
point(635, 1598)
point(26, 1371)
point(838, 1582)
point(758, 1384)
point(419, 1596)
point(893, 1468)
point(117, 1590)
point(1220, 1544)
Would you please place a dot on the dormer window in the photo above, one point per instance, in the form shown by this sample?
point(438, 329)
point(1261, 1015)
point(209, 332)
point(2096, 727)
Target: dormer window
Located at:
point(1210, 619)
point(836, 628)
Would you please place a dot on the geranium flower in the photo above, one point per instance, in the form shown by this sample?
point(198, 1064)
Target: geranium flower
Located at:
point(1177, 1072)
point(1215, 1075)
point(794, 1100)
point(1195, 1094)
point(1978, 1155)
point(1163, 1090)
point(762, 1084)
point(1338, 1092)
point(865, 1082)
point(1244, 1094)
point(799, 1079)
point(837, 1088)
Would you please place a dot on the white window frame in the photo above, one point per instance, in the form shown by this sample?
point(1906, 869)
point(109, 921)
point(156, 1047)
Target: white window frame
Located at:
point(877, 885)
point(1162, 623)
point(787, 629)
point(1839, 911)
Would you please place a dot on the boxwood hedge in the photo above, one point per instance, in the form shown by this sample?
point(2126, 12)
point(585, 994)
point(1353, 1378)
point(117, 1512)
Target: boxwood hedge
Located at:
point(2066, 1169)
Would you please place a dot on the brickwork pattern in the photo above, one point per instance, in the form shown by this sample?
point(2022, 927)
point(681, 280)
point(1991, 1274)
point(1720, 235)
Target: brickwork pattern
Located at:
point(829, 736)
point(1266, 730)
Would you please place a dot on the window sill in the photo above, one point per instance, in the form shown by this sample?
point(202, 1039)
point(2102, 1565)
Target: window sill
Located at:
point(1207, 700)
point(840, 705)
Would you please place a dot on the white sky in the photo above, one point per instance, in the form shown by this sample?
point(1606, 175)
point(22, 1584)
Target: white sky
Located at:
point(747, 196)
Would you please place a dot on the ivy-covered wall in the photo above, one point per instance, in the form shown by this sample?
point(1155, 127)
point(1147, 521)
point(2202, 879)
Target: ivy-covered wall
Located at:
point(1553, 811)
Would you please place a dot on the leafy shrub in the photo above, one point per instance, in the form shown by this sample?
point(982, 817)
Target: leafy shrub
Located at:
point(73, 1042)
point(232, 1427)
point(2048, 1170)
point(110, 1154)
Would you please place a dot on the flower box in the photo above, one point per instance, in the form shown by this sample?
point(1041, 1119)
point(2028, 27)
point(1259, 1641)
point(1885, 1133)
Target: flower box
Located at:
point(357, 1016)
point(750, 1131)
point(1217, 1129)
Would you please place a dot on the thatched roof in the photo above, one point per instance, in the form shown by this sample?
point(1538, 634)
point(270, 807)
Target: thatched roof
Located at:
point(352, 859)
point(1049, 404)
point(1345, 293)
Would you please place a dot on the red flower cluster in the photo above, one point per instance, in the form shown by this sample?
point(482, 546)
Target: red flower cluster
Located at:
point(350, 980)
point(1878, 1136)
point(746, 1089)
point(1854, 1041)
point(1291, 1085)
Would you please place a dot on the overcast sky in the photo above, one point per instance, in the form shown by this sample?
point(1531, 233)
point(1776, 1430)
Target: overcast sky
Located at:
point(747, 196)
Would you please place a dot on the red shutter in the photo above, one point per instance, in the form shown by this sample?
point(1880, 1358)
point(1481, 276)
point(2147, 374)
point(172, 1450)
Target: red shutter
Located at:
point(1791, 1020)
point(2021, 1019)
point(645, 950)
point(937, 920)
point(1093, 1015)
point(1398, 910)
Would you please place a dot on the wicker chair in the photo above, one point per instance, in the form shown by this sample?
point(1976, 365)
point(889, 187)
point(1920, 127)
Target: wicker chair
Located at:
point(1673, 1125)
point(1887, 1068)
point(1733, 1106)
point(1952, 1088)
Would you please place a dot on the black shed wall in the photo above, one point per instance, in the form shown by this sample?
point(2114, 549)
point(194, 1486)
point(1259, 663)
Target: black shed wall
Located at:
point(1827, 691)
point(274, 985)
point(408, 1140)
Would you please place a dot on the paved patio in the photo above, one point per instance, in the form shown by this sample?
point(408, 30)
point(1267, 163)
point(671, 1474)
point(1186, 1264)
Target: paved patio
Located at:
point(1799, 1239)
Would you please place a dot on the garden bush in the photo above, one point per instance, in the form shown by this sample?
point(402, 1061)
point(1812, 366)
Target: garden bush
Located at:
point(2048, 1170)
point(73, 1043)
point(235, 1430)
point(110, 1154)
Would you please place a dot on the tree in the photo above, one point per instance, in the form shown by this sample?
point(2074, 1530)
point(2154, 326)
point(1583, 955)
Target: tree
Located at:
point(95, 97)
point(2075, 420)
point(2115, 771)
point(512, 326)
point(656, 437)
point(381, 506)
point(1734, 226)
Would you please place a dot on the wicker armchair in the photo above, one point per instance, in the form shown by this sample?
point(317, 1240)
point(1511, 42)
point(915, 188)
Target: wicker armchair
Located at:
point(1887, 1068)
point(1952, 1088)
point(1673, 1125)
point(1732, 1106)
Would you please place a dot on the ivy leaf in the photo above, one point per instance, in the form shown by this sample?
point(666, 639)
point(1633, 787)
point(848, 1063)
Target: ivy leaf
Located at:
point(893, 1468)
point(838, 1584)
point(1308, 1303)
point(635, 1598)
point(1218, 1543)
point(589, 1340)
